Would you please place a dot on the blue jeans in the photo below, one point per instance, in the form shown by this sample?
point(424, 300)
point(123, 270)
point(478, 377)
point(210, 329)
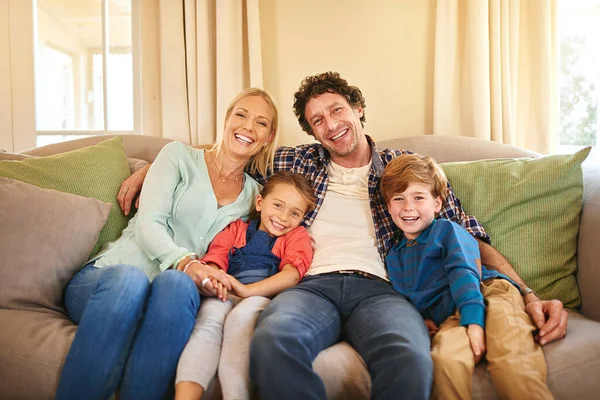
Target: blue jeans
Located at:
point(383, 327)
point(131, 332)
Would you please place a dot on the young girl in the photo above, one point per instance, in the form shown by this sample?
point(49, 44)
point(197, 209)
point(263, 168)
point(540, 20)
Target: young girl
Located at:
point(262, 257)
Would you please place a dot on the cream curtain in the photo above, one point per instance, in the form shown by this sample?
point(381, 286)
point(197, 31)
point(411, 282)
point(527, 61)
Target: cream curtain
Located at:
point(496, 71)
point(209, 51)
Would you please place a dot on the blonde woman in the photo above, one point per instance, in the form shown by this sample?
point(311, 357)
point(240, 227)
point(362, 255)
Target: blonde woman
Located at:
point(135, 303)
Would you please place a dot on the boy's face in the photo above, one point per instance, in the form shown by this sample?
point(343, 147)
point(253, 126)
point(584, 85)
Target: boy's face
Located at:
point(414, 209)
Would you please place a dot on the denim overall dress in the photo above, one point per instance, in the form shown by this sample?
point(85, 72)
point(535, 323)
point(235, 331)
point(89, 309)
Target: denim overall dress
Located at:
point(255, 261)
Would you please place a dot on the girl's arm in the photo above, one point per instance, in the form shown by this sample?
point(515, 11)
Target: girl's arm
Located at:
point(286, 278)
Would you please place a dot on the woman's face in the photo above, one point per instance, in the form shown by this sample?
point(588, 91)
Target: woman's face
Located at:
point(249, 126)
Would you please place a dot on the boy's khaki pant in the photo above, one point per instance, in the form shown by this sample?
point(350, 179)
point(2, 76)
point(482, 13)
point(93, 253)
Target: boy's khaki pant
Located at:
point(515, 361)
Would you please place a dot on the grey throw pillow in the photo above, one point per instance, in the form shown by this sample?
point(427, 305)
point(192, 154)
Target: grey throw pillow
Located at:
point(46, 236)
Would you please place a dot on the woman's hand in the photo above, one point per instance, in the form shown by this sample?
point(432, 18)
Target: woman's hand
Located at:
point(210, 280)
point(130, 188)
point(477, 341)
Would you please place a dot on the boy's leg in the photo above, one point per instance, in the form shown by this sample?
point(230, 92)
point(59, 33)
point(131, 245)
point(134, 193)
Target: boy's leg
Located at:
point(291, 331)
point(389, 334)
point(515, 361)
point(453, 361)
point(200, 357)
point(234, 364)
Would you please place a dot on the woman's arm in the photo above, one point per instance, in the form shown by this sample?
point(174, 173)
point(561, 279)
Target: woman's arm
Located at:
point(548, 315)
point(286, 278)
point(130, 189)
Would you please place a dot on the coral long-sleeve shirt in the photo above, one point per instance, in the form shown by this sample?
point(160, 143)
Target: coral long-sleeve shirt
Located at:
point(292, 248)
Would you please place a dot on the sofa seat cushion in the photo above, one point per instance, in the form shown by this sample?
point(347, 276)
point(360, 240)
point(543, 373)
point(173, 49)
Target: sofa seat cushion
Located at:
point(33, 348)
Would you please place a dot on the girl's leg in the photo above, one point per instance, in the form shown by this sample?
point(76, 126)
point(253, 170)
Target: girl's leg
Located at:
point(168, 320)
point(453, 361)
point(107, 304)
point(515, 361)
point(198, 363)
point(234, 365)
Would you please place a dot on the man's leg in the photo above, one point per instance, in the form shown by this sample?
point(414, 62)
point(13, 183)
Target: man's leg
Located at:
point(390, 335)
point(291, 331)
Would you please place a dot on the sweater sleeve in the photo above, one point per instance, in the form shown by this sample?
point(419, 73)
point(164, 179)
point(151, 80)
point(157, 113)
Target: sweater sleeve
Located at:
point(461, 254)
point(298, 251)
point(218, 252)
point(156, 202)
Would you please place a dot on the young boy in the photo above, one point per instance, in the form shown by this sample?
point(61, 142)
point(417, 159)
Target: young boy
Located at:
point(436, 265)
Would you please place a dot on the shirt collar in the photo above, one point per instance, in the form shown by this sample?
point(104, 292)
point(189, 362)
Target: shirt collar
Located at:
point(376, 159)
point(422, 238)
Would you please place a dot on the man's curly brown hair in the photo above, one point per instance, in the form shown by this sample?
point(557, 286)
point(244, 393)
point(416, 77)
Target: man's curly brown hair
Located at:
point(331, 82)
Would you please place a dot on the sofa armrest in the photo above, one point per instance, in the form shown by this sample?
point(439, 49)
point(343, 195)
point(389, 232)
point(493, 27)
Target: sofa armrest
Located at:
point(588, 248)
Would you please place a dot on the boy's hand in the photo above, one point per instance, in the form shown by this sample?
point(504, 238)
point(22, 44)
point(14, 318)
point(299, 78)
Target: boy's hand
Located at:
point(431, 327)
point(477, 339)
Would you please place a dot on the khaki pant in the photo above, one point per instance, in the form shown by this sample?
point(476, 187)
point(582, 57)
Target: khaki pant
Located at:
point(515, 361)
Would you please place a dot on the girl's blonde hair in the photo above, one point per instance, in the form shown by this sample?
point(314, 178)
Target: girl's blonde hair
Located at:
point(299, 182)
point(263, 160)
point(409, 168)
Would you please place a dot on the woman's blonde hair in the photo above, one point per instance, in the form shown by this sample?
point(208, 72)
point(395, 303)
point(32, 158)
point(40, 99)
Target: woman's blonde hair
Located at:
point(263, 160)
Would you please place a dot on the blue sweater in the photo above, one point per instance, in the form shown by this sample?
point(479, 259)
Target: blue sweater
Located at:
point(438, 273)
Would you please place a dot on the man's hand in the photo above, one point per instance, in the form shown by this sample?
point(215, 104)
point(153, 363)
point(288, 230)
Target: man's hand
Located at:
point(477, 341)
point(130, 188)
point(550, 318)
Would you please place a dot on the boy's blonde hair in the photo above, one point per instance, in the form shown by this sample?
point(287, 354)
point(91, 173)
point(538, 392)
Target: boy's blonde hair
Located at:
point(261, 162)
point(409, 168)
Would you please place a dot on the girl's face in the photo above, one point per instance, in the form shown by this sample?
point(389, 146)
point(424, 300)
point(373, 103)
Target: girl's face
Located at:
point(249, 126)
point(414, 209)
point(282, 210)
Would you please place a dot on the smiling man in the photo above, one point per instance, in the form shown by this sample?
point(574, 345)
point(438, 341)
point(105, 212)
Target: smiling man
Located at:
point(346, 294)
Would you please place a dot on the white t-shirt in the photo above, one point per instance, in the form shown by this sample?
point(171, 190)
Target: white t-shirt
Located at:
point(343, 232)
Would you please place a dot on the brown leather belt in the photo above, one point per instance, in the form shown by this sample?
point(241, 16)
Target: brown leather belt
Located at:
point(359, 273)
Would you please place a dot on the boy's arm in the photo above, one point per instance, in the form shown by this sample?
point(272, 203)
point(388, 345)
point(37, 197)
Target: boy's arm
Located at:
point(548, 315)
point(286, 278)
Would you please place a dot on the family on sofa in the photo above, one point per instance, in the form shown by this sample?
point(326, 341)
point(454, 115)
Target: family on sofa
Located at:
point(132, 331)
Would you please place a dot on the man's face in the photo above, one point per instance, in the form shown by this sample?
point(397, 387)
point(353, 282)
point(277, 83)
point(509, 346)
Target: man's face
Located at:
point(335, 123)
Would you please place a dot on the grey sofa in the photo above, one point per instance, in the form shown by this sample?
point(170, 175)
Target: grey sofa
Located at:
point(573, 363)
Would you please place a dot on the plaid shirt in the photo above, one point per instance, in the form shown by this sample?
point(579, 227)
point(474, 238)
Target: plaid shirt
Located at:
point(311, 160)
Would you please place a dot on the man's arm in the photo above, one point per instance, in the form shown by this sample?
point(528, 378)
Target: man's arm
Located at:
point(548, 315)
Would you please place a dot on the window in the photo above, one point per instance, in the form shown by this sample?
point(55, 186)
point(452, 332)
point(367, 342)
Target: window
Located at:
point(579, 74)
point(85, 83)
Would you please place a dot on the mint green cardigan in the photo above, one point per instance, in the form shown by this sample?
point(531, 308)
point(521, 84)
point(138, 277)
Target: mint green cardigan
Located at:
point(178, 213)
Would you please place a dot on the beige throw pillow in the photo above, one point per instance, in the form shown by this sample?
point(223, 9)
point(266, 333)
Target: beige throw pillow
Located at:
point(46, 236)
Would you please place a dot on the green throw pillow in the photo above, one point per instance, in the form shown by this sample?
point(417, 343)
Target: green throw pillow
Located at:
point(95, 171)
point(531, 209)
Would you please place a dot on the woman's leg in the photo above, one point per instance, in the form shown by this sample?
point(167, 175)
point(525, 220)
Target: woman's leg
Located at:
point(198, 363)
point(234, 365)
point(107, 304)
point(168, 320)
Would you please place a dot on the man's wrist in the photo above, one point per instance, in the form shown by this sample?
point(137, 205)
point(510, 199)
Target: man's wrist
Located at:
point(527, 293)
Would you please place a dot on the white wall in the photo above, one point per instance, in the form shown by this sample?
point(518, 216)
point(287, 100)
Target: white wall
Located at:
point(381, 46)
point(6, 139)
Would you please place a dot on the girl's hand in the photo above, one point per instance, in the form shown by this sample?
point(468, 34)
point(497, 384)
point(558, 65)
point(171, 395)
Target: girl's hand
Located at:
point(238, 288)
point(220, 289)
point(200, 272)
point(431, 327)
point(477, 339)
